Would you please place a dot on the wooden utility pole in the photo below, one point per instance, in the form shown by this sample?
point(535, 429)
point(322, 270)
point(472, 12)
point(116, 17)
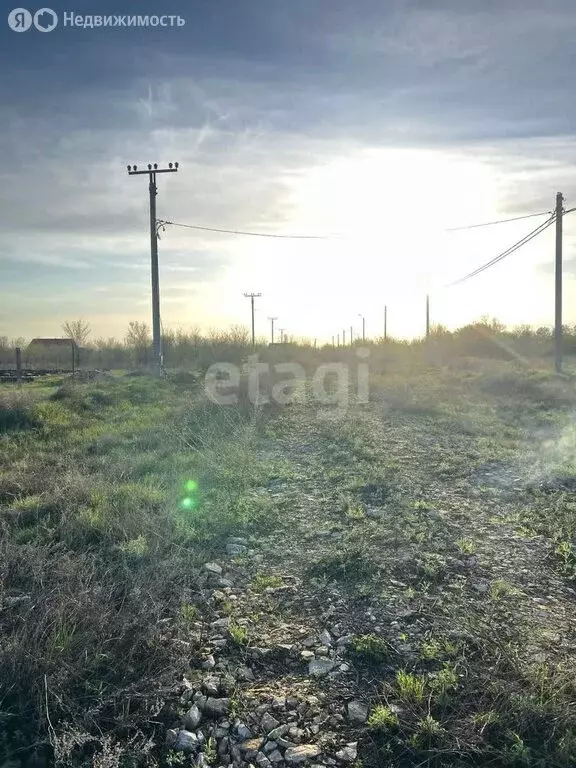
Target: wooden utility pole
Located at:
point(363, 326)
point(19, 367)
point(558, 284)
point(153, 190)
point(272, 323)
point(252, 296)
point(427, 315)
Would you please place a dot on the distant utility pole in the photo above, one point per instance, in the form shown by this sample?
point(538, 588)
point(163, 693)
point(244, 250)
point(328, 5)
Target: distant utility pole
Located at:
point(333, 341)
point(272, 323)
point(385, 322)
point(338, 339)
point(363, 327)
point(252, 296)
point(282, 335)
point(344, 338)
point(156, 337)
point(427, 315)
point(558, 321)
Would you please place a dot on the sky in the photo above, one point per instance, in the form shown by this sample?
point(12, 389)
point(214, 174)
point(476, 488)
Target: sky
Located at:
point(372, 126)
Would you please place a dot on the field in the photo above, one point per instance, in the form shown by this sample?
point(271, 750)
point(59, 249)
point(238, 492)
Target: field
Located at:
point(390, 583)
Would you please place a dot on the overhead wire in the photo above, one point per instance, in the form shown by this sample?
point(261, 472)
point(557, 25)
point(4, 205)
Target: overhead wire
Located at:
point(247, 233)
point(530, 236)
point(250, 234)
point(498, 221)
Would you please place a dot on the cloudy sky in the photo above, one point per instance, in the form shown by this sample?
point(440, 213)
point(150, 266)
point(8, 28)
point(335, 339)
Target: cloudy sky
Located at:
point(375, 124)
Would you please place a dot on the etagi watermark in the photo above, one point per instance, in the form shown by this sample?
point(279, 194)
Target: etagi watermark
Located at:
point(330, 384)
point(46, 20)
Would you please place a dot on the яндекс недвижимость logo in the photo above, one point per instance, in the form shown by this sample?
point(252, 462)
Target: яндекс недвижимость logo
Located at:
point(21, 19)
point(45, 20)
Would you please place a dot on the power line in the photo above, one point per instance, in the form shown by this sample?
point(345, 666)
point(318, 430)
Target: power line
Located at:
point(250, 234)
point(507, 252)
point(247, 233)
point(499, 221)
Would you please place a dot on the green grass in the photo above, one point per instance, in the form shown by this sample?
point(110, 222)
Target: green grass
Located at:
point(113, 496)
point(105, 490)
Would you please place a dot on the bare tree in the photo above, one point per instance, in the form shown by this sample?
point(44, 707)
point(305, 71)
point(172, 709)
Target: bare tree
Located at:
point(138, 337)
point(77, 330)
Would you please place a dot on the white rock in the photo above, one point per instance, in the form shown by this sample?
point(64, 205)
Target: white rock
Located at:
point(320, 667)
point(192, 718)
point(236, 549)
point(243, 732)
point(217, 706)
point(277, 733)
point(357, 712)
point(349, 753)
point(297, 755)
point(182, 741)
point(269, 723)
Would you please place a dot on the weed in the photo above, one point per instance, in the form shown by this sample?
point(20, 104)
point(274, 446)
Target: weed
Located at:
point(137, 547)
point(517, 753)
point(210, 751)
point(17, 413)
point(567, 555)
point(500, 588)
point(428, 732)
point(176, 758)
point(466, 546)
point(382, 718)
point(411, 688)
point(371, 648)
point(445, 680)
point(485, 719)
point(187, 615)
point(238, 633)
point(355, 512)
point(261, 582)
point(432, 566)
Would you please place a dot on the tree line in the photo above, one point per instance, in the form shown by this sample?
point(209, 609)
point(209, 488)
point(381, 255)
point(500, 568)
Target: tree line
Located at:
point(486, 337)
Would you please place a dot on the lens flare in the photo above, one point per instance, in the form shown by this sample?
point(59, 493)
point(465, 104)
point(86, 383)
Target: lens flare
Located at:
point(187, 503)
point(191, 486)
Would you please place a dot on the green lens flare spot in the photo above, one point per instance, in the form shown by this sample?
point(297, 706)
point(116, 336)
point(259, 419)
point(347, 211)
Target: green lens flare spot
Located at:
point(191, 486)
point(187, 503)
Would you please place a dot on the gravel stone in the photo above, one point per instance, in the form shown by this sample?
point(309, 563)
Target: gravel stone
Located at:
point(297, 755)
